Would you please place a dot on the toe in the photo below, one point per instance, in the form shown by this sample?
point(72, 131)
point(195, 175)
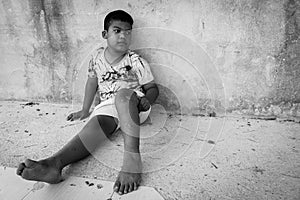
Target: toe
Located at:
point(30, 163)
point(121, 189)
point(131, 186)
point(20, 168)
point(26, 174)
point(135, 186)
point(126, 187)
point(117, 186)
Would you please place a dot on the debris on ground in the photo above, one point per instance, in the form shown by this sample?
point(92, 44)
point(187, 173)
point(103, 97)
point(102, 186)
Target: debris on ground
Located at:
point(212, 114)
point(263, 117)
point(211, 142)
point(89, 184)
point(30, 104)
point(198, 115)
point(258, 170)
point(215, 166)
point(99, 186)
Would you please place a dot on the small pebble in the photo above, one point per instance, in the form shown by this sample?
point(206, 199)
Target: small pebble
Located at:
point(212, 114)
point(99, 186)
point(211, 142)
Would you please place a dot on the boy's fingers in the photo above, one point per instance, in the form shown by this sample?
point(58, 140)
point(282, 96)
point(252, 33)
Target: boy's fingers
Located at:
point(146, 106)
point(69, 116)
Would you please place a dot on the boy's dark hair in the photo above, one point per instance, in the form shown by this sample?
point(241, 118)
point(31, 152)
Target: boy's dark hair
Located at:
point(117, 15)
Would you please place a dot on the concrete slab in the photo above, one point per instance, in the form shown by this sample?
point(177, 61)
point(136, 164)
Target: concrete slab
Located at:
point(12, 187)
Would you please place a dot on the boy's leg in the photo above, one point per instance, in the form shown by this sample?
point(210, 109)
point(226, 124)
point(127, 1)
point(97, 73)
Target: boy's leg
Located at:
point(130, 175)
point(87, 140)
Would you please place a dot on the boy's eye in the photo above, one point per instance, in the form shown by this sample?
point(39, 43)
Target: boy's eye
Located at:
point(117, 30)
point(126, 32)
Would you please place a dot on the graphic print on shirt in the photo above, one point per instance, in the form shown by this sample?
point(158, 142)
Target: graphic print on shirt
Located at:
point(131, 72)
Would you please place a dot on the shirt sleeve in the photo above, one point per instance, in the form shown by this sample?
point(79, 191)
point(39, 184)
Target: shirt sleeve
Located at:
point(142, 70)
point(91, 69)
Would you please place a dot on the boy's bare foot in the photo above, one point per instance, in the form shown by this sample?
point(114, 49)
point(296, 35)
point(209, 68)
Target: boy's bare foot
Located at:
point(43, 170)
point(129, 177)
point(127, 182)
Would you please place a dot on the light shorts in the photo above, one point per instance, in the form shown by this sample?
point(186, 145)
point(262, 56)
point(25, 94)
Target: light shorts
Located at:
point(108, 108)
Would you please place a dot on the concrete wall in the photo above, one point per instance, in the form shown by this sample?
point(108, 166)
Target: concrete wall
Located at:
point(221, 54)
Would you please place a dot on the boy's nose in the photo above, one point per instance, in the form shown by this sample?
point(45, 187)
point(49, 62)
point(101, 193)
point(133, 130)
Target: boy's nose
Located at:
point(122, 34)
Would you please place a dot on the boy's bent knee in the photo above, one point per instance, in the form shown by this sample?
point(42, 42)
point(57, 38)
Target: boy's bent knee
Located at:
point(125, 96)
point(107, 124)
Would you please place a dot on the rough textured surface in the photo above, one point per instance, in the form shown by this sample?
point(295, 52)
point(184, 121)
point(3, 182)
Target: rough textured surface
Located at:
point(227, 55)
point(250, 159)
point(75, 188)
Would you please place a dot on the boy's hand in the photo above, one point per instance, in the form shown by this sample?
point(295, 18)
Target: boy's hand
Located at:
point(144, 104)
point(78, 115)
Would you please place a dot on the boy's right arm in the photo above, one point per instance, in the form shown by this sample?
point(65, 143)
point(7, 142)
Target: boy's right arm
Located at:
point(89, 94)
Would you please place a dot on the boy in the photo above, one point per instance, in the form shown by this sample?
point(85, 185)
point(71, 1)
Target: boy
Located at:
point(125, 86)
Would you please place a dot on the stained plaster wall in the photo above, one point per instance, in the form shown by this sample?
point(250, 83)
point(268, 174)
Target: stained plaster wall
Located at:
point(242, 56)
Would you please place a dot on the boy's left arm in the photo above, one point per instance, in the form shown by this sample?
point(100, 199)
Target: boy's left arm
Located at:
point(151, 94)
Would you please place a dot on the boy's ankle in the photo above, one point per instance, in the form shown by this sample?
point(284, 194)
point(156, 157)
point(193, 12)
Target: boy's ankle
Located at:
point(132, 149)
point(55, 162)
point(132, 162)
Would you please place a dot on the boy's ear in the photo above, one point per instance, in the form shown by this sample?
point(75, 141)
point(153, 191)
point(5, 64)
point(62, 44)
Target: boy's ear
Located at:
point(104, 34)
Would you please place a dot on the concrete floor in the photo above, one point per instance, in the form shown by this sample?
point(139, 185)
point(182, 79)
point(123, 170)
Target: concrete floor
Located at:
point(242, 158)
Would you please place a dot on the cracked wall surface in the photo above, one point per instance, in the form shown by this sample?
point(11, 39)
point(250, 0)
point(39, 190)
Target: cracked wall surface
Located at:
point(238, 56)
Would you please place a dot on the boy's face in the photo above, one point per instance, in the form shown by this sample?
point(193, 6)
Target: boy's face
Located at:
point(118, 36)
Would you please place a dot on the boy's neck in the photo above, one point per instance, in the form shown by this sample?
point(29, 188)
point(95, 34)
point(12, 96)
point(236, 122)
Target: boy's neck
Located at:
point(112, 56)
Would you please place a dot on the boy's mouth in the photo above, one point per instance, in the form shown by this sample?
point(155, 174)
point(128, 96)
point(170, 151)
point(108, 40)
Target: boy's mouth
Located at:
point(121, 43)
